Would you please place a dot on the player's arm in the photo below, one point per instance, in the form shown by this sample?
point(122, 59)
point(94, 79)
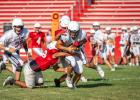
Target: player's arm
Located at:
point(79, 43)
point(62, 54)
point(44, 41)
point(60, 46)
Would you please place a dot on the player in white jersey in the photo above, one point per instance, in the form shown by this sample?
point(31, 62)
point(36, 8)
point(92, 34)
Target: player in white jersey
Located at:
point(110, 45)
point(135, 45)
point(124, 45)
point(79, 39)
point(11, 42)
point(99, 45)
point(97, 42)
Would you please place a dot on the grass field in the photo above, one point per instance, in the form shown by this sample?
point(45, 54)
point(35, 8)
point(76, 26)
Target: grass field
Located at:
point(123, 84)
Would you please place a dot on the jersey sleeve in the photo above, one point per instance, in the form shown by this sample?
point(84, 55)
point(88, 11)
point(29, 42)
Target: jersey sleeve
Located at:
point(82, 35)
point(26, 34)
point(4, 40)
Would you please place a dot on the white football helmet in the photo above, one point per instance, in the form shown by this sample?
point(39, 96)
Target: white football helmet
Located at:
point(92, 31)
point(17, 22)
point(64, 23)
point(37, 25)
point(65, 17)
point(96, 24)
point(74, 26)
point(135, 28)
point(108, 28)
point(124, 28)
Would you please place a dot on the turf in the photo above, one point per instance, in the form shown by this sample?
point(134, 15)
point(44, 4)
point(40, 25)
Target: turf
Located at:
point(123, 84)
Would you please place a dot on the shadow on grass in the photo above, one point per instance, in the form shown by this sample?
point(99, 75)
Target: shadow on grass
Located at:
point(98, 79)
point(94, 85)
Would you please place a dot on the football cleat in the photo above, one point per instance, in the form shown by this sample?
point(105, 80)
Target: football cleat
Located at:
point(100, 71)
point(83, 79)
point(9, 81)
point(68, 82)
point(112, 69)
point(57, 82)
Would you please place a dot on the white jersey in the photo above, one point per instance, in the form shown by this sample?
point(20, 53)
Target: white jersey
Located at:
point(98, 37)
point(11, 39)
point(124, 38)
point(135, 39)
point(110, 36)
point(68, 40)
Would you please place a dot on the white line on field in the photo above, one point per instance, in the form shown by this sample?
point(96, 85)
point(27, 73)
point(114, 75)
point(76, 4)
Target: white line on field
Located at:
point(5, 90)
point(117, 79)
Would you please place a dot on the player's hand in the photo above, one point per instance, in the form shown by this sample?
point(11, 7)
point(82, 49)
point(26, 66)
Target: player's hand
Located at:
point(11, 50)
point(71, 49)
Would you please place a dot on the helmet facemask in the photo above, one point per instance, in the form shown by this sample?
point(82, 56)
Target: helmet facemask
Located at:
point(17, 25)
point(73, 34)
point(18, 29)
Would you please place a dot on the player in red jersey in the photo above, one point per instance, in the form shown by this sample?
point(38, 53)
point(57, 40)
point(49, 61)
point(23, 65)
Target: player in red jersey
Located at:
point(37, 38)
point(33, 68)
point(64, 21)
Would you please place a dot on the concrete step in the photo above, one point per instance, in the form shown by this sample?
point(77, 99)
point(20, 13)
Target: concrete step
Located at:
point(117, 2)
point(113, 10)
point(32, 10)
point(37, 2)
point(112, 13)
point(112, 22)
point(110, 17)
point(29, 14)
point(114, 27)
point(33, 6)
point(115, 6)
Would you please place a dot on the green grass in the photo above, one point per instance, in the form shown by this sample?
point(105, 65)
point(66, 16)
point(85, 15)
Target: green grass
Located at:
point(123, 84)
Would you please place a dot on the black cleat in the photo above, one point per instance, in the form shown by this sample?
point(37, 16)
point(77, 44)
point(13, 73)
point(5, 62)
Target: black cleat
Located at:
point(8, 81)
point(57, 82)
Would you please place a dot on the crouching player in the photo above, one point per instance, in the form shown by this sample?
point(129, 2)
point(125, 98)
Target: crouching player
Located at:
point(32, 69)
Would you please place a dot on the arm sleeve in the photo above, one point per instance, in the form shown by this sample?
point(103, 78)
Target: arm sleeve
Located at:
point(25, 46)
point(5, 39)
point(83, 36)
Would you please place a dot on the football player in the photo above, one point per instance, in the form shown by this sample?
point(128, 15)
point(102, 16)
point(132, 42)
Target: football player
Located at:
point(11, 42)
point(32, 69)
point(37, 38)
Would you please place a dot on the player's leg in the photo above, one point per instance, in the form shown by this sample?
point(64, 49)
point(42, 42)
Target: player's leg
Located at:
point(67, 69)
point(27, 83)
point(17, 63)
point(78, 69)
point(39, 79)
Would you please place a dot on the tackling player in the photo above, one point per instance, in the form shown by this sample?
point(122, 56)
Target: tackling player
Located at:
point(32, 70)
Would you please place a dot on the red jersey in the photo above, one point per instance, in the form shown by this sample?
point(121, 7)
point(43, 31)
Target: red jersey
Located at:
point(59, 32)
point(36, 38)
point(48, 61)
